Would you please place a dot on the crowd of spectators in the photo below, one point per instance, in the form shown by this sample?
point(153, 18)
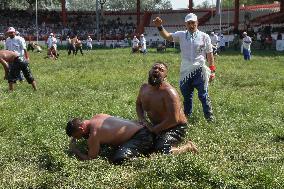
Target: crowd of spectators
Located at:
point(82, 24)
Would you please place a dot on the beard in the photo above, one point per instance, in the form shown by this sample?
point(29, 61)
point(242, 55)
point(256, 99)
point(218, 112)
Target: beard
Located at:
point(155, 81)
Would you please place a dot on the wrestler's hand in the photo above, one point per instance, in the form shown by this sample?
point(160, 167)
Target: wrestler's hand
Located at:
point(158, 21)
point(144, 123)
point(150, 128)
point(72, 144)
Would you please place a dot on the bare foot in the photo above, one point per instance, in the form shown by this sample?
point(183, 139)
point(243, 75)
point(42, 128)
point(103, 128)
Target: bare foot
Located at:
point(189, 146)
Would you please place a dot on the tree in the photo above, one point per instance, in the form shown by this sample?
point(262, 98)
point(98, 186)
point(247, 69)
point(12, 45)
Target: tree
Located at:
point(130, 5)
point(30, 4)
point(231, 4)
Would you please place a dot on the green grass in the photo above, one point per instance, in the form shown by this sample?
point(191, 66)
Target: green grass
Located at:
point(242, 149)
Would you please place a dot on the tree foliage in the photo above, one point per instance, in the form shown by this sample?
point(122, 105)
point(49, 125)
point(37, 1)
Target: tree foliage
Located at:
point(30, 4)
point(231, 3)
point(117, 5)
point(90, 5)
point(145, 5)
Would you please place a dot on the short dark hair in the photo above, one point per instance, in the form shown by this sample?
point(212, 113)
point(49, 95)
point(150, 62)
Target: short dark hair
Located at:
point(72, 126)
point(160, 62)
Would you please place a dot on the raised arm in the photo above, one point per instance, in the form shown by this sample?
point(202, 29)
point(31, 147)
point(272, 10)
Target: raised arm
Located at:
point(166, 35)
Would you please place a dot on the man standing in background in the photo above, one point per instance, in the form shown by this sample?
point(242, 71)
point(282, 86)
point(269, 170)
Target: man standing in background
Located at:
point(214, 42)
point(89, 43)
point(143, 44)
point(246, 46)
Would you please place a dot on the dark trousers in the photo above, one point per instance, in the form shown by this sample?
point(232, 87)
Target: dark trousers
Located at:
point(187, 90)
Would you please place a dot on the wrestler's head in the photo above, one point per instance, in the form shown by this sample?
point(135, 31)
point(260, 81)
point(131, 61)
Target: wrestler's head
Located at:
point(77, 129)
point(157, 74)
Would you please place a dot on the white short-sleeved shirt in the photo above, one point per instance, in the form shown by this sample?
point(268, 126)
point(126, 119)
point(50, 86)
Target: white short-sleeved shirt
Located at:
point(214, 40)
point(222, 42)
point(143, 43)
point(51, 41)
point(247, 42)
point(16, 44)
point(194, 47)
point(89, 42)
point(135, 42)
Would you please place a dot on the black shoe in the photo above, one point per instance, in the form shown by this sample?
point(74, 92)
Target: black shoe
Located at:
point(209, 118)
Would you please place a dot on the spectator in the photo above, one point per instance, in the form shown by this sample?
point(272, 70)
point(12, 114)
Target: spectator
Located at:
point(143, 44)
point(246, 46)
point(214, 42)
point(89, 43)
point(236, 42)
point(52, 46)
point(135, 44)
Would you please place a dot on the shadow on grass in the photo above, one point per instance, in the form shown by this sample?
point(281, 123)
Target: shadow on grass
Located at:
point(278, 138)
point(48, 162)
point(106, 152)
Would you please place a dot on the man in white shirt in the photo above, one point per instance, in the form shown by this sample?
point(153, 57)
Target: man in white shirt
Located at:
point(143, 44)
point(19, 63)
point(135, 44)
point(17, 44)
point(246, 46)
point(52, 46)
point(89, 43)
point(214, 42)
point(194, 74)
point(222, 43)
point(21, 75)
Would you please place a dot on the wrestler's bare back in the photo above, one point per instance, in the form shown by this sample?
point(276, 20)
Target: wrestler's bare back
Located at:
point(113, 130)
point(8, 56)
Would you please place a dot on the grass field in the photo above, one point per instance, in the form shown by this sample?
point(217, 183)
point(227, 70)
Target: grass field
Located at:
point(244, 148)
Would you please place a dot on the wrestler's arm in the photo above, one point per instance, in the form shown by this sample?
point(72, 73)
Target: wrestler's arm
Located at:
point(139, 109)
point(5, 66)
point(172, 102)
point(93, 146)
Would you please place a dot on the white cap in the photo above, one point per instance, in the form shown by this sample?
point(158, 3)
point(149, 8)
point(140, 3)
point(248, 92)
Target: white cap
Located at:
point(245, 33)
point(51, 34)
point(11, 29)
point(212, 33)
point(190, 17)
point(134, 36)
point(142, 35)
point(89, 36)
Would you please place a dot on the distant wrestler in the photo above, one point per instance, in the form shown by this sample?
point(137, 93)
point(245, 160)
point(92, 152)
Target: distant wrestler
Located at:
point(10, 59)
point(159, 103)
point(79, 47)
